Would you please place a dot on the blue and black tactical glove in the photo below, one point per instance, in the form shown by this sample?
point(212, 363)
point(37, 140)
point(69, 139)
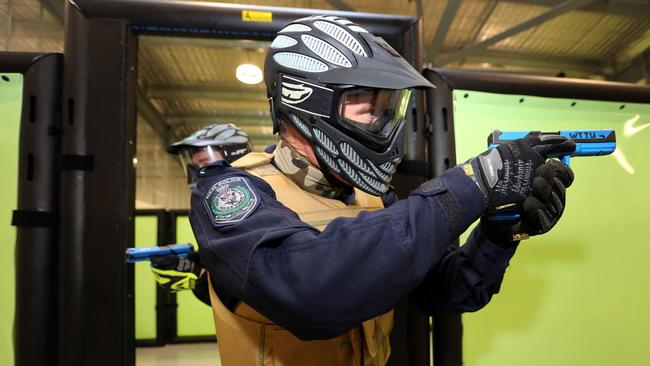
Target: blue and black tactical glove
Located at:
point(505, 174)
point(175, 273)
point(540, 211)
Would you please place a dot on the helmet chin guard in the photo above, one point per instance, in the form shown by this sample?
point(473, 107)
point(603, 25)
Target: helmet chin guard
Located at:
point(348, 159)
point(347, 92)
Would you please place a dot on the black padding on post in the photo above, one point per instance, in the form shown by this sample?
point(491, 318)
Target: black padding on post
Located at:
point(77, 162)
point(33, 219)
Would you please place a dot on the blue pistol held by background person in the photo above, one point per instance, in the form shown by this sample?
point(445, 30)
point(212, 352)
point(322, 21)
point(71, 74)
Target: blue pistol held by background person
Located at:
point(134, 255)
point(588, 143)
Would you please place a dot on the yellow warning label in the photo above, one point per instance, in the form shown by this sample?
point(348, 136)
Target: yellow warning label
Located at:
point(256, 16)
point(520, 236)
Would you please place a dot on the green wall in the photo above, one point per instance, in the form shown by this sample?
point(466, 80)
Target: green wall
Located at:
point(579, 295)
point(146, 235)
point(11, 92)
point(194, 318)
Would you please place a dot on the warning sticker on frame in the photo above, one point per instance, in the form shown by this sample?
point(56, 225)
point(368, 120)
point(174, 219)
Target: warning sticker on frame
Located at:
point(256, 16)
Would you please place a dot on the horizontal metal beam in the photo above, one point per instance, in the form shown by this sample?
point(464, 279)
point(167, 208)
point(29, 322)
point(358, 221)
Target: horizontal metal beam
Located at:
point(552, 87)
point(208, 43)
point(211, 19)
point(446, 19)
point(214, 92)
point(614, 7)
point(556, 11)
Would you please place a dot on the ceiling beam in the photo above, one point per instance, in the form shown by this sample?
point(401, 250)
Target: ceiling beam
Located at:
point(448, 16)
point(226, 113)
point(265, 131)
point(153, 118)
point(552, 64)
point(250, 118)
point(340, 5)
point(485, 16)
point(628, 9)
point(637, 69)
point(554, 12)
point(205, 119)
point(57, 7)
point(615, 7)
point(214, 92)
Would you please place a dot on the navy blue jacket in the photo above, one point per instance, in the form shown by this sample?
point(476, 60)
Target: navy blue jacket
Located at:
point(321, 284)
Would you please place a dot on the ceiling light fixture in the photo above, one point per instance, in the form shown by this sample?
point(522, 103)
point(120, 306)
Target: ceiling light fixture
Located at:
point(249, 74)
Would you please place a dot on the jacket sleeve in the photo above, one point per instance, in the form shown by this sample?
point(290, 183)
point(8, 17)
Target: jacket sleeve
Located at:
point(465, 278)
point(320, 284)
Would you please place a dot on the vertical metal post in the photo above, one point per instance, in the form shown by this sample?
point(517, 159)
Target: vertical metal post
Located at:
point(97, 192)
point(35, 218)
point(72, 314)
point(412, 51)
point(447, 329)
point(410, 336)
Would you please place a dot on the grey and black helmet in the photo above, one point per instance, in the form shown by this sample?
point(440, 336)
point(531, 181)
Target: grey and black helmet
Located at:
point(209, 144)
point(347, 92)
point(228, 138)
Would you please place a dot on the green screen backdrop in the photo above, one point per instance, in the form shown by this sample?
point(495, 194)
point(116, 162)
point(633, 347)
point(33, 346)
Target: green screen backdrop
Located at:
point(194, 318)
point(146, 235)
point(579, 295)
point(11, 92)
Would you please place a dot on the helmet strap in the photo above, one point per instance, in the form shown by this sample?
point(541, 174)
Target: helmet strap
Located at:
point(274, 117)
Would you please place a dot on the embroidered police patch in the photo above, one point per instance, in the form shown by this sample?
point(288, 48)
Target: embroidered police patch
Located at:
point(230, 200)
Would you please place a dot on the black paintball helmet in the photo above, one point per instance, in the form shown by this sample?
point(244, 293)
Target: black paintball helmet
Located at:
point(209, 144)
point(347, 92)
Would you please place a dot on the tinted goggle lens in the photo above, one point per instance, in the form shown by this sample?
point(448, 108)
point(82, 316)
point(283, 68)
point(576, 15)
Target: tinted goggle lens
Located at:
point(376, 111)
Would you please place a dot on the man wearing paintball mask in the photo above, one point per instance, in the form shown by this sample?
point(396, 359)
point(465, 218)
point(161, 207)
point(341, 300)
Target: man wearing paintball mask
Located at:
point(201, 148)
point(305, 262)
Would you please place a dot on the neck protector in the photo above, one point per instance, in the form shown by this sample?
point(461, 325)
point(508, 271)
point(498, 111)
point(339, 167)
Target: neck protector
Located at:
point(303, 173)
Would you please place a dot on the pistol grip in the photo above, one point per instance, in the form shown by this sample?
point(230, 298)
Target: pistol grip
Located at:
point(565, 160)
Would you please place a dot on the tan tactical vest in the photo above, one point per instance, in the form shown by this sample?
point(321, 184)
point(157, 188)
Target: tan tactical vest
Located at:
point(247, 338)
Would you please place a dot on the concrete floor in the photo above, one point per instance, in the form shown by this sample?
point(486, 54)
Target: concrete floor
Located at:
point(195, 354)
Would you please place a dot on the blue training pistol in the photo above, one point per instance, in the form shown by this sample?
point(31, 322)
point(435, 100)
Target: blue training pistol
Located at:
point(134, 255)
point(588, 143)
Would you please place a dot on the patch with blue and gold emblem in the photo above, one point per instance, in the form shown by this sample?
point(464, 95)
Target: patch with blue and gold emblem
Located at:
point(230, 201)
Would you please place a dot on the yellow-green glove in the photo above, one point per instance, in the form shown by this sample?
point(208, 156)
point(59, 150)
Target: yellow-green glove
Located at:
point(175, 273)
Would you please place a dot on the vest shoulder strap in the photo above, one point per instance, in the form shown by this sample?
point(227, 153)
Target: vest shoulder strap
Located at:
point(253, 160)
